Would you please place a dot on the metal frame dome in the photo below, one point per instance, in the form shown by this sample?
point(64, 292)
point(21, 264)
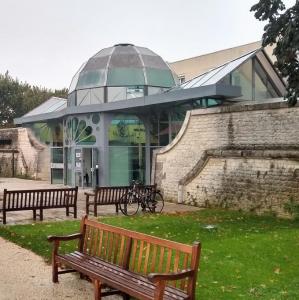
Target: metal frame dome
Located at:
point(123, 65)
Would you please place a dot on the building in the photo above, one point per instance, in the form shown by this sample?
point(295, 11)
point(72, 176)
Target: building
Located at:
point(125, 102)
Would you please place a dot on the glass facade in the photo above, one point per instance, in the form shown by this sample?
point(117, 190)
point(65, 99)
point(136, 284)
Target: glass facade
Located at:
point(81, 130)
point(264, 88)
point(57, 165)
point(243, 77)
point(50, 133)
point(127, 141)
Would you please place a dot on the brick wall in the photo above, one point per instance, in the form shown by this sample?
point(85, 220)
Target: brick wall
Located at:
point(241, 156)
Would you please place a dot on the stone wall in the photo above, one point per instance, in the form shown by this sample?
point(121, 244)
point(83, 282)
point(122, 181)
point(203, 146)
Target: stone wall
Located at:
point(241, 156)
point(25, 154)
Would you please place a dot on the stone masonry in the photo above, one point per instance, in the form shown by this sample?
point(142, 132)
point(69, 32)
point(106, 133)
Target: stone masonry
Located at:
point(24, 153)
point(241, 157)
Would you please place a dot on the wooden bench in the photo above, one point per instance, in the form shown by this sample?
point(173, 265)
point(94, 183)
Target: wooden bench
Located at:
point(129, 263)
point(38, 200)
point(109, 196)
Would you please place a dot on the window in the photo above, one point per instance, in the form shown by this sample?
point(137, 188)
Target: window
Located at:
point(243, 77)
point(5, 142)
point(182, 79)
point(264, 88)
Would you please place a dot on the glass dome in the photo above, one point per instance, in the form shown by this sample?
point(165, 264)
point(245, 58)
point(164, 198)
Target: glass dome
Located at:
point(137, 69)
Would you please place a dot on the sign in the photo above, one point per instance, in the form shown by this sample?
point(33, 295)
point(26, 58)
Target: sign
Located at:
point(56, 166)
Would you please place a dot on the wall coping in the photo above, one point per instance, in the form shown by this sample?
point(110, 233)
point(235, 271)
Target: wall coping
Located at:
point(269, 152)
point(243, 107)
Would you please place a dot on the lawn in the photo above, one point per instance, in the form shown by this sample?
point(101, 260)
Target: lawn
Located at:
point(244, 256)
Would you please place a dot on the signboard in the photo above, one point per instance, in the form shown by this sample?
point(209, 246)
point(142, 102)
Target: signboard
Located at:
point(56, 166)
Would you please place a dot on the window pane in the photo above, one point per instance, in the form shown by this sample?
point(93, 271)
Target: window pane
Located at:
point(57, 176)
point(125, 76)
point(134, 92)
point(126, 130)
point(152, 90)
point(91, 79)
point(243, 77)
point(116, 93)
point(126, 164)
point(164, 129)
point(57, 155)
point(97, 96)
point(263, 86)
point(156, 77)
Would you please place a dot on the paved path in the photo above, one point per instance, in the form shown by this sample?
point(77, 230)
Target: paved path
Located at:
point(25, 276)
point(24, 217)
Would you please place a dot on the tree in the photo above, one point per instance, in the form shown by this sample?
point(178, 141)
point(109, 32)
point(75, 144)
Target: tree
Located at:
point(282, 30)
point(17, 98)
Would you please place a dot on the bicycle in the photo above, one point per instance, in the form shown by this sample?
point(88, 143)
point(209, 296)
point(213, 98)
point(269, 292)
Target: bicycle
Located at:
point(145, 197)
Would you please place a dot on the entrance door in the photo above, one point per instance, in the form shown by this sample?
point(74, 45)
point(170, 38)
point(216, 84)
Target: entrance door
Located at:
point(90, 167)
point(86, 167)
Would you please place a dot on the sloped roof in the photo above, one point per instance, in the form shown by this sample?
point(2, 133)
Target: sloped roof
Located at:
point(51, 105)
point(215, 75)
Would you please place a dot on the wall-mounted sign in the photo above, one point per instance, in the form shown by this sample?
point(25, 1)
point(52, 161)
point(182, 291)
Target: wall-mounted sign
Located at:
point(56, 166)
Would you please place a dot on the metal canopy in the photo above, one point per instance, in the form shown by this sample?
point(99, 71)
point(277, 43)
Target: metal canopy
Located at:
point(174, 96)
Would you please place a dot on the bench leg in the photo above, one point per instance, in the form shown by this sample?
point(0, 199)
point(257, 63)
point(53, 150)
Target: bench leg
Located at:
point(54, 272)
point(116, 208)
point(75, 212)
point(4, 217)
point(87, 205)
point(34, 214)
point(87, 209)
point(41, 214)
point(97, 290)
point(126, 297)
point(95, 210)
point(67, 211)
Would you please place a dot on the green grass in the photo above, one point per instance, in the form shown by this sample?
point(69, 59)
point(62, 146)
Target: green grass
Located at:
point(243, 257)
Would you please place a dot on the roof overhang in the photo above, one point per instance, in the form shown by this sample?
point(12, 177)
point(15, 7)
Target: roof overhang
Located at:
point(171, 97)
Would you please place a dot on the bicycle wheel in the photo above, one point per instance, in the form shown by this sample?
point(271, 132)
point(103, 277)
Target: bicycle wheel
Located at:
point(155, 202)
point(129, 204)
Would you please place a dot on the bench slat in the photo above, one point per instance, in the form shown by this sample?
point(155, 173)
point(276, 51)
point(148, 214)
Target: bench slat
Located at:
point(141, 236)
point(114, 275)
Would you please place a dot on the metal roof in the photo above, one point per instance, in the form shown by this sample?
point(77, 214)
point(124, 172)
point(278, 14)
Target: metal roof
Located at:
point(215, 75)
point(123, 65)
point(140, 104)
point(53, 104)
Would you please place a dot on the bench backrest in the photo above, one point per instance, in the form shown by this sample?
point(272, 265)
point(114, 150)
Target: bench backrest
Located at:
point(139, 252)
point(41, 198)
point(112, 195)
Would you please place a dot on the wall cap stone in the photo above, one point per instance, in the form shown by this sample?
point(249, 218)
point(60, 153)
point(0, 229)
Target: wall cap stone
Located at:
point(244, 106)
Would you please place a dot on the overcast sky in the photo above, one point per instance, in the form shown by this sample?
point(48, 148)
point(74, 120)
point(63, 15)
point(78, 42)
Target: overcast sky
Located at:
point(44, 42)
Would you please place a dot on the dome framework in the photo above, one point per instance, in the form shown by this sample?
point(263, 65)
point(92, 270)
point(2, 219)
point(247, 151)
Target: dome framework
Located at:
point(137, 70)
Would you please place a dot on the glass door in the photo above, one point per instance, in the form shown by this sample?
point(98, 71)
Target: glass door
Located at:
point(95, 167)
point(78, 167)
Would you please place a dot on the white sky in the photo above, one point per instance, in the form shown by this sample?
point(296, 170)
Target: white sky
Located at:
point(44, 42)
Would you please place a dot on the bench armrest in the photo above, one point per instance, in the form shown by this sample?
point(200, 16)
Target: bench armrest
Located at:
point(53, 238)
point(156, 277)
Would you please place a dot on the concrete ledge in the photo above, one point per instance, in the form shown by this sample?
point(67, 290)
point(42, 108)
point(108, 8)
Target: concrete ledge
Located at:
point(266, 153)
